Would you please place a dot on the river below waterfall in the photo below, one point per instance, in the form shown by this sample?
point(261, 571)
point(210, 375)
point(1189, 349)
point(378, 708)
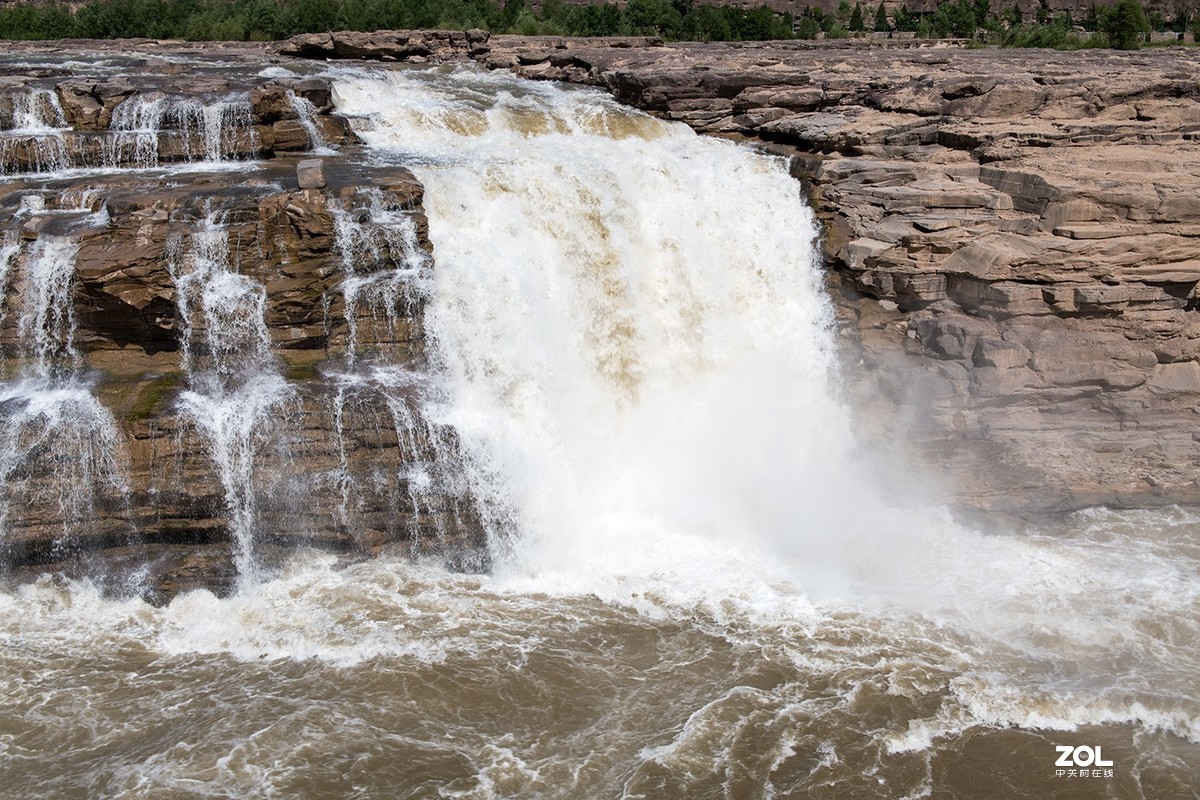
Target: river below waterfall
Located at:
point(699, 586)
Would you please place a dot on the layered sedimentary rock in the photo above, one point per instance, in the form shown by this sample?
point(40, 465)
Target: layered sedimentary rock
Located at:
point(1014, 239)
point(204, 361)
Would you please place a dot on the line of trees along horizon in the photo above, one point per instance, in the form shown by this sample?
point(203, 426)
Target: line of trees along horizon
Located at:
point(1121, 24)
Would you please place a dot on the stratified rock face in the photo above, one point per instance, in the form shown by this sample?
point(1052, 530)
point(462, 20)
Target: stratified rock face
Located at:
point(1014, 238)
point(410, 46)
point(202, 365)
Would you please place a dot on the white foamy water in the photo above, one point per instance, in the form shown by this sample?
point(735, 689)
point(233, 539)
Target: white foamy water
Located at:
point(306, 115)
point(36, 133)
point(387, 237)
point(60, 449)
point(699, 590)
point(237, 400)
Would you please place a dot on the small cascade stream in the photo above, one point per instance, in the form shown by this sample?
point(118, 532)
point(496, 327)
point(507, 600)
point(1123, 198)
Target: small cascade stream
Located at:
point(378, 235)
point(306, 115)
point(386, 279)
point(203, 132)
point(60, 447)
point(36, 134)
point(146, 129)
point(237, 400)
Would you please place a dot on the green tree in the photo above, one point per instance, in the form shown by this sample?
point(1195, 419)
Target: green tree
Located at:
point(952, 19)
point(983, 11)
point(881, 20)
point(856, 19)
point(906, 20)
point(641, 17)
point(1123, 24)
point(807, 27)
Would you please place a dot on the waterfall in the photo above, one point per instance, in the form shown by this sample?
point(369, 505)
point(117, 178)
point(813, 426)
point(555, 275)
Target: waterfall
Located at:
point(60, 447)
point(213, 132)
point(10, 248)
point(369, 237)
point(35, 138)
point(386, 280)
point(224, 122)
point(134, 131)
point(47, 323)
point(620, 382)
point(37, 111)
point(236, 397)
point(306, 115)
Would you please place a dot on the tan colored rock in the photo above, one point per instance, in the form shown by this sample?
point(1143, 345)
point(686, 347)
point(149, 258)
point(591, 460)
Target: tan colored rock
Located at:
point(289, 135)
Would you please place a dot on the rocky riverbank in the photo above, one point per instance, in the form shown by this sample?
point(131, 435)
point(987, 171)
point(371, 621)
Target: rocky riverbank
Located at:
point(1013, 237)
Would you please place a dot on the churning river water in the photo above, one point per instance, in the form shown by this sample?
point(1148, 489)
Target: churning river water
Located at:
point(697, 591)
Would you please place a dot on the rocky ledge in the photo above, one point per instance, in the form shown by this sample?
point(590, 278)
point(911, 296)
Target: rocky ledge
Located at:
point(201, 339)
point(1013, 240)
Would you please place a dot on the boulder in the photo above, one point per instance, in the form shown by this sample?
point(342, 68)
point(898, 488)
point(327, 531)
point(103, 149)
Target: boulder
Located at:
point(311, 174)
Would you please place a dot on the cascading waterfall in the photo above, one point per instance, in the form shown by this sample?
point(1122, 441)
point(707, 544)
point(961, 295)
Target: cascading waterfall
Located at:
point(306, 115)
point(47, 323)
point(60, 447)
point(210, 132)
point(10, 248)
point(134, 131)
point(386, 278)
point(379, 235)
point(617, 378)
point(36, 133)
point(37, 111)
point(236, 397)
point(224, 122)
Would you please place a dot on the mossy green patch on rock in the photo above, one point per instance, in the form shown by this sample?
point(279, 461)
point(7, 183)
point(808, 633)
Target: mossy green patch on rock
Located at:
point(300, 371)
point(151, 396)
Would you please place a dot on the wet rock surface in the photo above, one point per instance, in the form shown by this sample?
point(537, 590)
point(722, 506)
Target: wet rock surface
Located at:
point(346, 459)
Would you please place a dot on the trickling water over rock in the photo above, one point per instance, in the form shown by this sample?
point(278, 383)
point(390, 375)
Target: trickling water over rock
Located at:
point(203, 364)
